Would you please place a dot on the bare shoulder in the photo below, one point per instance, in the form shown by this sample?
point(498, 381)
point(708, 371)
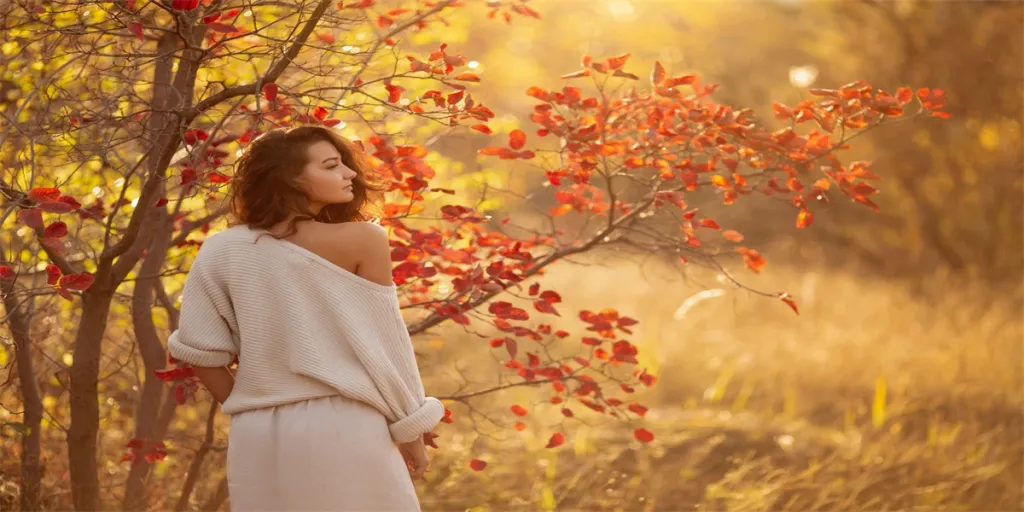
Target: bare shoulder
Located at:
point(357, 237)
point(365, 245)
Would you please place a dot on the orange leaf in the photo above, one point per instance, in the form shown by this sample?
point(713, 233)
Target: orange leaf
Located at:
point(482, 128)
point(753, 259)
point(804, 219)
point(904, 95)
point(643, 435)
point(618, 62)
point(517, 139)
point(657, 74)
point(732, 236)
point(467, 77)
point(788, 299)
point(560, 210)
point(518, 410)
point(520, 426)
point(556, 440)
point(708, 223)
point(721, 182)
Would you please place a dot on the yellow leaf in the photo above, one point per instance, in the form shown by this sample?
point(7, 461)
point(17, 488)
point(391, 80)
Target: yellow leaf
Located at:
point(878, 406)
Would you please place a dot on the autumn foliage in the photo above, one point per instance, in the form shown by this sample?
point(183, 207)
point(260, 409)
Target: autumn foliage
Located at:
point(625, 160)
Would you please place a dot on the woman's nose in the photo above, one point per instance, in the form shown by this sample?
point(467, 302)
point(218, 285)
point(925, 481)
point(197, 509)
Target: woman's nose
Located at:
point(349, 173)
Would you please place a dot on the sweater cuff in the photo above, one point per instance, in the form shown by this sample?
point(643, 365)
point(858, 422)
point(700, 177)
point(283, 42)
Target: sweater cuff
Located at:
point(195, 356)
point(420, 422)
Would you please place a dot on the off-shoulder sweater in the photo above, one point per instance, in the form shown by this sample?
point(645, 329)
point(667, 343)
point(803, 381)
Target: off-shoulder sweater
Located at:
point(302, 328)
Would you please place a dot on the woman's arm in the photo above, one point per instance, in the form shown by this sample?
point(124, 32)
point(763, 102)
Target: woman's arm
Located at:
point(218, 381)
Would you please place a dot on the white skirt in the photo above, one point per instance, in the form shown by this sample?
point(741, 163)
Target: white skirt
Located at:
point(324, 454)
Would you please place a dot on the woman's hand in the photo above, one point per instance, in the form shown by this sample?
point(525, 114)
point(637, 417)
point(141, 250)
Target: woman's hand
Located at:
point(415, 455)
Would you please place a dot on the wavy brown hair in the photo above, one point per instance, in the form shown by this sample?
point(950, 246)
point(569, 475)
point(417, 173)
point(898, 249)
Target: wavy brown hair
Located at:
point(264, 190)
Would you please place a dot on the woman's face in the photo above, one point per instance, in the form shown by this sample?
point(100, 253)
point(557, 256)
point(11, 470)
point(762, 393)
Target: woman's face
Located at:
point(326, 179)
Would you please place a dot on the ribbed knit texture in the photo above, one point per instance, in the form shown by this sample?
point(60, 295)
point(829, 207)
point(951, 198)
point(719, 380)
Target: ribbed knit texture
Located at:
point(302, 328)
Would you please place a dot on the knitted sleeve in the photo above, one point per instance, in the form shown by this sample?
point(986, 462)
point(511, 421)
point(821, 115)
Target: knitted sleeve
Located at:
point(386, 352)
point(204, 336)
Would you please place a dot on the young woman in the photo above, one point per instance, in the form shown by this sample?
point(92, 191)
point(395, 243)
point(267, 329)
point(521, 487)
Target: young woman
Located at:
point(327, 407)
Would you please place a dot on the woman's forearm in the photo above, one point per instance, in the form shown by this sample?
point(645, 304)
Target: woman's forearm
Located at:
point(219, 381)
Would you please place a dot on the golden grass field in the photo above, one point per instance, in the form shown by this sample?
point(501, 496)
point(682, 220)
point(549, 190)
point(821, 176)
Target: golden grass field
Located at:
point(871, 399)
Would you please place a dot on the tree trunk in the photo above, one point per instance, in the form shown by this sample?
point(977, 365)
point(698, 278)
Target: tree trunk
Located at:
point(85, 420)
point(18, 318)
point(153, 358)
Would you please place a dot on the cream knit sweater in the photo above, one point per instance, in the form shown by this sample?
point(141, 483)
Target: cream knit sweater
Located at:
point(302, 328)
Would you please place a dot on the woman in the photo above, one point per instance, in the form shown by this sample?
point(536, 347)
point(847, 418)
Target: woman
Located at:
point(327, 400)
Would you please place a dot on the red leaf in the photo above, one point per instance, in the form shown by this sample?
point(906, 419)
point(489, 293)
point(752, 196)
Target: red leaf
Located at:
point(56, 206)
point(223, 28)
point(56, 230)
point(545, 307)
point(136, 29)
point(534, 288)
point(638, 409)
point(467, 77)
point(394, 92)
point(643, 435)
point(557, 439)
point(512, 347)
point(160, 202)
point(6, 272)
point(40, 194)
point(516, 139)
point(270, 91)
point(32, 218)
point(52, 274)
point(477, 465)
point(81, 281)
point(518, 410)
point(216, 177)
point(482, 128)
point(551, 296)
point(184, 5)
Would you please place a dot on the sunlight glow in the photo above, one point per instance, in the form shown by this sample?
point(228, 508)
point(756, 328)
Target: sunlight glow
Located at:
point(803, 76)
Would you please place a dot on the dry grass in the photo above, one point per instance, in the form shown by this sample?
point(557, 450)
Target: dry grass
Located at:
point(871, 399)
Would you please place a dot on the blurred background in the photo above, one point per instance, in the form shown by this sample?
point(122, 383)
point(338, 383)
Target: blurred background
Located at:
point(901, 383)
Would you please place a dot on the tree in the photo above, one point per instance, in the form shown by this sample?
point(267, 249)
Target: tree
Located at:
point(146, 102)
